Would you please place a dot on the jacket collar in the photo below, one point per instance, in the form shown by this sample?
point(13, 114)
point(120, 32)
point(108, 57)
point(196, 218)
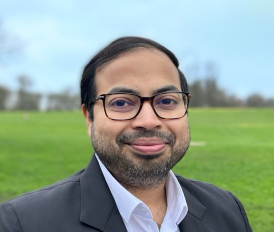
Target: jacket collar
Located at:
point(196, 211)
point(98, 208)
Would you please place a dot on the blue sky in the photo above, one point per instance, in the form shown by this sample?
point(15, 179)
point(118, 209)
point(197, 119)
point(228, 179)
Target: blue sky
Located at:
point(59, 38)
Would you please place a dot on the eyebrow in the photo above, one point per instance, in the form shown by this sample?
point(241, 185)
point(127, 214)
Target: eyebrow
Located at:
point(123, 90)
point(163, 89)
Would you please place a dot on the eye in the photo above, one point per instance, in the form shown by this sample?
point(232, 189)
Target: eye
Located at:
point(166, 102)
point(120, 103)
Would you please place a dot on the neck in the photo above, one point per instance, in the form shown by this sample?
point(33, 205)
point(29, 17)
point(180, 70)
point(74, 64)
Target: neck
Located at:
point(154, 198)
point(149, 195)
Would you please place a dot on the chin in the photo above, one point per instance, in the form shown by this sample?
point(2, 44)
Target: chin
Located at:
point(148, 156)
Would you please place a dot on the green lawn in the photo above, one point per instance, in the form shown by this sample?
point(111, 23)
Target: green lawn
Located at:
point(238, 154)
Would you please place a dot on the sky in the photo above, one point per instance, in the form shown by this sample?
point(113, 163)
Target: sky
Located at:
point(57, 38)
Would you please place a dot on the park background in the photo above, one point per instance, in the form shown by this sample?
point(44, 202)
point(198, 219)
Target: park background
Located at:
point(225, 49)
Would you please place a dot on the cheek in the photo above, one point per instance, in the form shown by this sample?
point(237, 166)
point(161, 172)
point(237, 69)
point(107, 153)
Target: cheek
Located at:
point(179, 128)
point(108, 129)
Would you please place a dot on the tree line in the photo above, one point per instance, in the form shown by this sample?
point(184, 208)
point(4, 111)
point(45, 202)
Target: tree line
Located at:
point(207, 93)
point(25, 100)
point(204, 93)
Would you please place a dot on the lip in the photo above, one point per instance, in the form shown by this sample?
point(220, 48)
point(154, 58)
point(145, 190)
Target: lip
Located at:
point(148, 145)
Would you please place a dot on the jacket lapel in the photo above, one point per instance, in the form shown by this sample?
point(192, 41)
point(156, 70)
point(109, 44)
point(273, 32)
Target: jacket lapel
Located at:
point(98, 208)
point(115, 222)
point(196, 211)
point(191, 224)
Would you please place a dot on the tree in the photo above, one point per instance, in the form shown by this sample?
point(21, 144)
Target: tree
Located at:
point(213, 95)
point(197, 93)
point(27, 100)
point(8, 46)
point(63, 101)
point(269, 102)
point(255, 100)
point(4, 94)
point(234, 101)
point(24, 82)
point(206, 92)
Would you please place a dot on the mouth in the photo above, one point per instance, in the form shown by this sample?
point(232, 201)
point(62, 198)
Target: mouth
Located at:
point(148, 145)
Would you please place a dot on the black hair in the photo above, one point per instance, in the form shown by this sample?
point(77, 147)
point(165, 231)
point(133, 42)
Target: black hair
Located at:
point(109, 53)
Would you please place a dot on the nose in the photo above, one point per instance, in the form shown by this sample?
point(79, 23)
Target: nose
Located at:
point(146, 119)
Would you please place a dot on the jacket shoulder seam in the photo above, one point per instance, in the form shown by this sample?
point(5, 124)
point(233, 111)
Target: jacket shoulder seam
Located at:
point(43, 189)
point(16, 215)
point(241, 208)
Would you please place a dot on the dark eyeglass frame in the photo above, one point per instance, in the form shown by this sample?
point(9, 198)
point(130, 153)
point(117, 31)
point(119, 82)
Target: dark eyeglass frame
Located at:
point(142, 100)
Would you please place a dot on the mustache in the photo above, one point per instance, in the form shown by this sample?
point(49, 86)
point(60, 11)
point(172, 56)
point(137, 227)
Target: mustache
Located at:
point(126, 138)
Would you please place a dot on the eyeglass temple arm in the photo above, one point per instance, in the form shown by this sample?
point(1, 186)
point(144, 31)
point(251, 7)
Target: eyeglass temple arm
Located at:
point(97, 98)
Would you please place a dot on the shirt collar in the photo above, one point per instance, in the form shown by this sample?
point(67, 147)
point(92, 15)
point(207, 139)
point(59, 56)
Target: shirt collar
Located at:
point(126, 202)
point(176, 202)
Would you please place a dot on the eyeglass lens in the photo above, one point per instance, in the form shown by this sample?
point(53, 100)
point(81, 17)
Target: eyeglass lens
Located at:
point(126, 106)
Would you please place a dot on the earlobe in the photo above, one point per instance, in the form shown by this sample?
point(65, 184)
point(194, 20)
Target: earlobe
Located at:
point(87, 118)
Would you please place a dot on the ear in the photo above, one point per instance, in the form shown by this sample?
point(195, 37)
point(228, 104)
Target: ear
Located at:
point(87, 118)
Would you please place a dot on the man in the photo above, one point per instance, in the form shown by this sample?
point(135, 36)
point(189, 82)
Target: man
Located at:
point(135, 100)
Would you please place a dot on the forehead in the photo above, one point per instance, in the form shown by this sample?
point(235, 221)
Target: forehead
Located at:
point(142, 70)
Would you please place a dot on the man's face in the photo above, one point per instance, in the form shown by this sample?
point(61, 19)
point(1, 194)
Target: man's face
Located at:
point(141, 151)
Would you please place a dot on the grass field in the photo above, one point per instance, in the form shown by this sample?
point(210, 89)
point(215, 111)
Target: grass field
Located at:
point(238, 154)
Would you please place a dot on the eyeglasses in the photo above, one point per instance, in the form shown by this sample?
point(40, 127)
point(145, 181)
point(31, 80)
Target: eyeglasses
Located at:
point(126, 106)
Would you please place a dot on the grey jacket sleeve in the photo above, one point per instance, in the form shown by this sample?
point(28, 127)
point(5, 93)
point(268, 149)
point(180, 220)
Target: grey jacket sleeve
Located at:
point(241, 207)
point(8, 219)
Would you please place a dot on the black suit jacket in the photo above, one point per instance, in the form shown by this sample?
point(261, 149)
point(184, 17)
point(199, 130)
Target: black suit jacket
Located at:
point(83, 203)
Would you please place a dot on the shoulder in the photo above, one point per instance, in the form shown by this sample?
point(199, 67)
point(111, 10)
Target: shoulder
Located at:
point(39, 208)
point(197, 188)
point(208, 194)
point(220, 204)
point(46, 198)
point(61, 186)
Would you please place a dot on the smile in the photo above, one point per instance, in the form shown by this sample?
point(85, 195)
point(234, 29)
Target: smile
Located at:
point(148, 146)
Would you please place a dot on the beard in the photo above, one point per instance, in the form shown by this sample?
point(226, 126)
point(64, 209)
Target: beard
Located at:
point(133, 169)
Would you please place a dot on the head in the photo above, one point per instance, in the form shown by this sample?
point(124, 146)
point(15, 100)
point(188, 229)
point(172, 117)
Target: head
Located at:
point(138, 152)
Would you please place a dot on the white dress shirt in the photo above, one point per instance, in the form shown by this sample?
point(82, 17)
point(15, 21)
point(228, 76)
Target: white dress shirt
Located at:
point(137, 216)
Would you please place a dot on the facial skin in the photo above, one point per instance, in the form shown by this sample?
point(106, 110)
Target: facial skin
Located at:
point(138, 152)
